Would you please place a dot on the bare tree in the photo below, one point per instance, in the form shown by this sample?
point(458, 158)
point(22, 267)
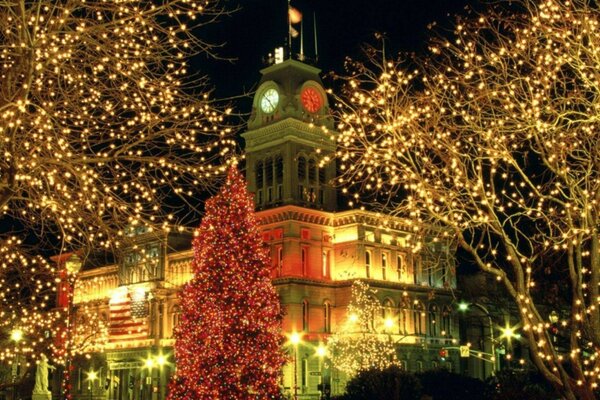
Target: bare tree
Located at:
point(495, 137)
point(102, 129)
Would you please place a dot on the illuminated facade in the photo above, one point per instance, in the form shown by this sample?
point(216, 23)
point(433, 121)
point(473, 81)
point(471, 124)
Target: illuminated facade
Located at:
point(316, 254)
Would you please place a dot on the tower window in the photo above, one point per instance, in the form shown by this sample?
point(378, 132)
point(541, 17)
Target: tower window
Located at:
point(400, 267)
point(301, 168)
point(321, 176)
point(312, 171)
point(269, 172)
point(368, 263)
point(384, 266)
point(259, 175)
point(325, 262)
point(278, 169)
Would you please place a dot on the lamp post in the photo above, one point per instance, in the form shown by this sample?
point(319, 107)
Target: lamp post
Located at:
point(463, 306)
point(91, 377)
point(295, 340)
point(16, 335)
point(321, 351)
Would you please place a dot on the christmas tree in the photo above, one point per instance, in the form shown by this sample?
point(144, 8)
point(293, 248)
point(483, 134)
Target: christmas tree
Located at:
point(228, 344)
point(363, 342)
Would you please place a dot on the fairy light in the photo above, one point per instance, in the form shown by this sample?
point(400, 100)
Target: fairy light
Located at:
point(490, 138)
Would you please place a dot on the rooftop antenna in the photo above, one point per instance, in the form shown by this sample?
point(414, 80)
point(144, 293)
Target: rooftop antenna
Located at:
point(315, 30)
point(289, 41)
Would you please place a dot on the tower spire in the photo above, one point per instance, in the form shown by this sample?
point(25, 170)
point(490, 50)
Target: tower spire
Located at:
point(315, 31)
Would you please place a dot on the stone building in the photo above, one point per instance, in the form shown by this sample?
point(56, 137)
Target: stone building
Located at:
point(317, 252)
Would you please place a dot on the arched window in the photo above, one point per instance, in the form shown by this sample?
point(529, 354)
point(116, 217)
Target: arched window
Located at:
point(279, 260)
point(312, 171)
point(400, 268)
point(304, 260)
point(384, 262)
point(418, 317)
point(259, 175)
point(388, 315)
point(432, 321)
point(327, 317)
point(368, 263)
point(278, 169)
point(325, 261)
point(446, 322)
point(301, 169)
point(322, 176)
point(269, 172)
point(305, 315)
point(279, 177)
point(404, 319)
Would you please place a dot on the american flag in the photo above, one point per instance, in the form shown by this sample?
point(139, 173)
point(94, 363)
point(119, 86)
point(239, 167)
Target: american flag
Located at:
point(128, 316)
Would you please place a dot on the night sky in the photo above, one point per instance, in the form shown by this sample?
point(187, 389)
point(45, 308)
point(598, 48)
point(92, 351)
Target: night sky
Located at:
point(343, 26)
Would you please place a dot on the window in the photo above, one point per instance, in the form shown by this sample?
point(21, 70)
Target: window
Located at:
point(400, 268)
point(304, 372)
point(325, 263)
point(388, 315)
point(305, 315)
point(259, 175)
point(418, 314)
point(304, 260)
point(384, 259)
point(368, 263)
point(327, 317)
point(432, 320)
point(402, 364)
point(301, 169)
point(269, 172)
point(278, 169)
point(312, 172)
point(419, 366)
point(279, 260)
point(322, 176)
point(446, 322)
point(403, 319)
point(434, 365)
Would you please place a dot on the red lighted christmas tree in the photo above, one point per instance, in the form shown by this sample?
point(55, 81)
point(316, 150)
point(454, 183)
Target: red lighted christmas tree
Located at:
point(228, 344)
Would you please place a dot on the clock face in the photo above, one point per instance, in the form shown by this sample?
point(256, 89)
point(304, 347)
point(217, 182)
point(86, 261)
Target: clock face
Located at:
point(311, 100)
point(269, 100)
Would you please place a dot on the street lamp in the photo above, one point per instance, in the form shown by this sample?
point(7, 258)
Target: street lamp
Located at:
point(16, 335)
point(321, 352)
point(295, 339)
point(91, 377)
point(464, 307)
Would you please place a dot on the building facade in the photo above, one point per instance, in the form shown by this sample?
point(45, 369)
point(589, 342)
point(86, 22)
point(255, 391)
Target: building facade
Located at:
point(316, 252)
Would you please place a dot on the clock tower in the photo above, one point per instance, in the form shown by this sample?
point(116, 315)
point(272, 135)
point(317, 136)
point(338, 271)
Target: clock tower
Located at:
point(289, 133)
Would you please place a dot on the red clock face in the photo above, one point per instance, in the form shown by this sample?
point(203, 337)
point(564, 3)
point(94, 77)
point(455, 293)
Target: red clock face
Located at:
point(311, 100)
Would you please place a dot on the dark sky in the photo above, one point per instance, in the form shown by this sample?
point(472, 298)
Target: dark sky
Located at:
point(343, 25)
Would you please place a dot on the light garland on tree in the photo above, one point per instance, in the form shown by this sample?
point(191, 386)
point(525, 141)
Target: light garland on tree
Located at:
point(228, 344)
point(361, 343)
point(495, 138)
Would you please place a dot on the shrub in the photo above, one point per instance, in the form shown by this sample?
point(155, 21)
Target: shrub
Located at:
point(443, 384)
point(389, 384)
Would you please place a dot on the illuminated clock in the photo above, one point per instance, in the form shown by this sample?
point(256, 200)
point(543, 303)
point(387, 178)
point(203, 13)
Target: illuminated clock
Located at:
point(269, 100)
point(311, 99)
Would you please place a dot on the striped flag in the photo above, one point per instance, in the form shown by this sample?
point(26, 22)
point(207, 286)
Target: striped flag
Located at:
point(128, 316)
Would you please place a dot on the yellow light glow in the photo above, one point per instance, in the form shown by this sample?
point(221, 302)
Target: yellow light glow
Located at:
point(92, 375)
point(16, 335)
point(321, 350)
point(295, 338)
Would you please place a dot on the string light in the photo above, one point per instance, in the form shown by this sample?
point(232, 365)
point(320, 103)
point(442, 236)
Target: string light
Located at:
point(493, 139)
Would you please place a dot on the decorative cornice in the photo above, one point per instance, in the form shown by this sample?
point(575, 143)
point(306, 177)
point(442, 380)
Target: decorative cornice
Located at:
point(289, 129)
